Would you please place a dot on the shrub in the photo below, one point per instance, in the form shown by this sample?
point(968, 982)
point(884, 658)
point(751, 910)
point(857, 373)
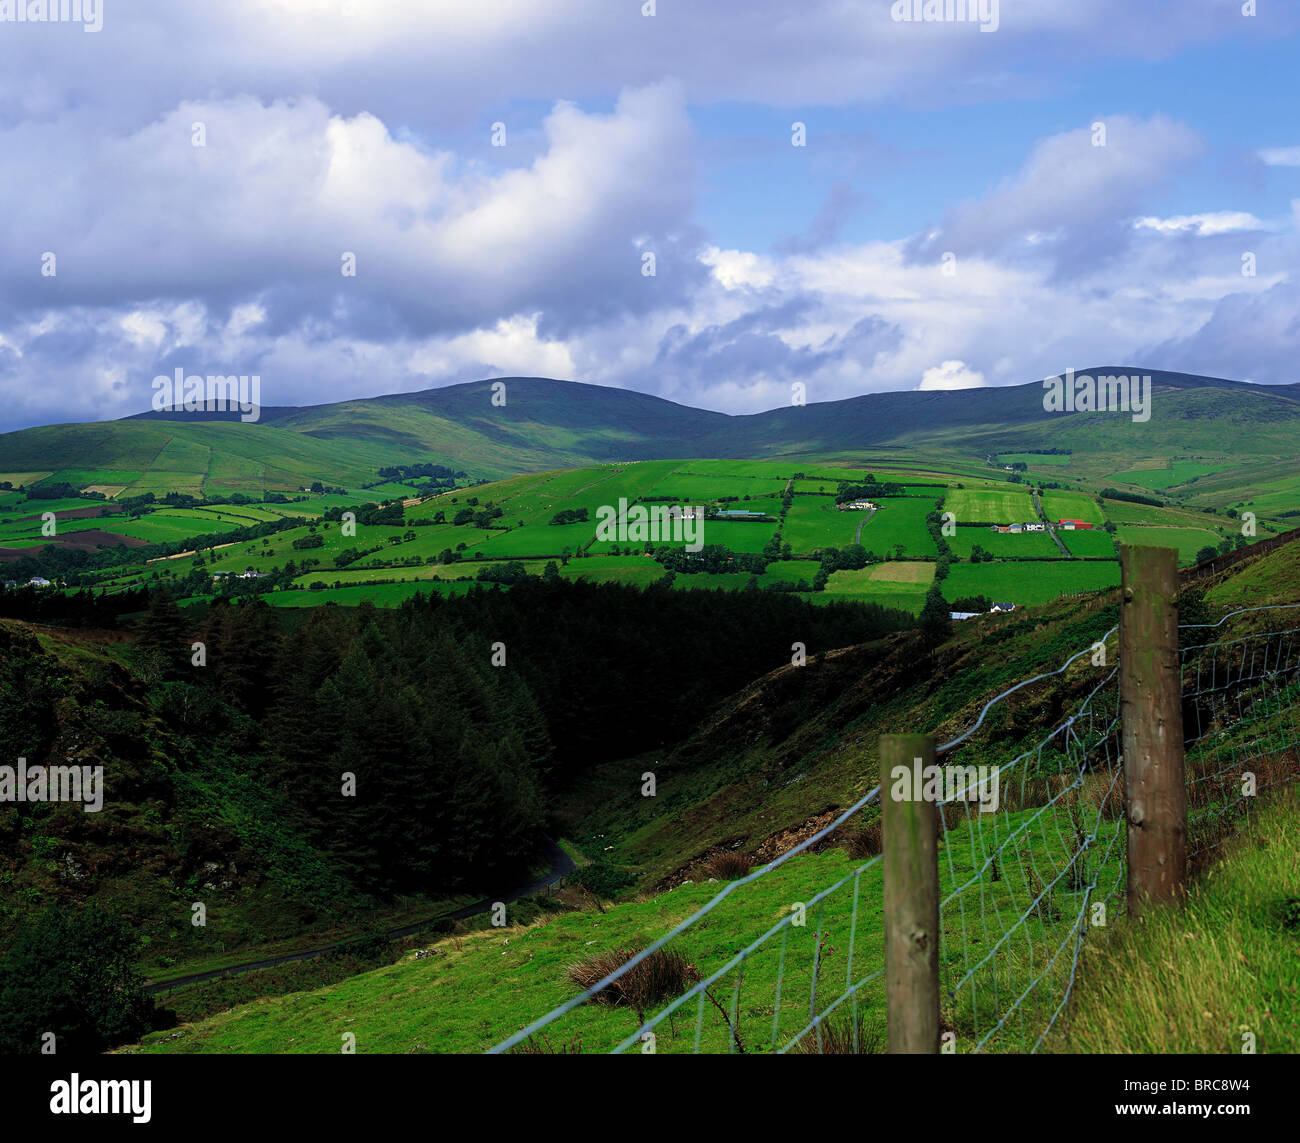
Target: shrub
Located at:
point(664, 974)
point(838, 1034)
point(728, 866)
point(862, 843)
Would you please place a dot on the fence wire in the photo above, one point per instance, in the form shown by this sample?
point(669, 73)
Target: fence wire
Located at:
point(1024, 879)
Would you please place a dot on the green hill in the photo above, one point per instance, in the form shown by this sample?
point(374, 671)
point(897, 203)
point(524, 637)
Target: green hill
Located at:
point(1205, 423)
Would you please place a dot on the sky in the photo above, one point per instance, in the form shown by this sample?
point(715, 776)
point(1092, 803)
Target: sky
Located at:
point(708, 200)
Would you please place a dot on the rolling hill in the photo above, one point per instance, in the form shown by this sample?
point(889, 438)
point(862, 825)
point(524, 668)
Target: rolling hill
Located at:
point(1204, 424)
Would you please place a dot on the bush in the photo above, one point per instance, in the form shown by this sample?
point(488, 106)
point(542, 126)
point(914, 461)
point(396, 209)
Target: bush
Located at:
point(842, 1035)
point(729, 866)
point(863, 843)
point(661, 976)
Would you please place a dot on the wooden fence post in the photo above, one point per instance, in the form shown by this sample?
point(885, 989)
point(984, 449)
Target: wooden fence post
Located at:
point(909, 836)
point(1151, 704)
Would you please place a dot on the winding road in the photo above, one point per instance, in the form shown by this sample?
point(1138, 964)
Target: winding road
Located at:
point(561, 865)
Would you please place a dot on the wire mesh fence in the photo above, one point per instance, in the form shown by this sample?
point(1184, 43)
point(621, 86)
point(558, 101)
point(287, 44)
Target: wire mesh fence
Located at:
point(1031, 861)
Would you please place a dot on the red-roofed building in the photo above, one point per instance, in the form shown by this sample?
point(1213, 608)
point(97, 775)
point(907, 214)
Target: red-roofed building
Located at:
point(1068, 524)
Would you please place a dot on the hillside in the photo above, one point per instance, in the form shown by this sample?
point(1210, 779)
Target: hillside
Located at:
point(765, 769)
point(548, 424)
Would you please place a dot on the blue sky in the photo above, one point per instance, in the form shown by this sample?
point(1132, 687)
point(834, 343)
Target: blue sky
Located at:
point(126, 251)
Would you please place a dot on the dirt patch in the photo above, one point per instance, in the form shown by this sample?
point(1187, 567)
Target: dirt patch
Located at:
point(697, 869)
point(785, 840)
point(88, 541)
point(91, 513)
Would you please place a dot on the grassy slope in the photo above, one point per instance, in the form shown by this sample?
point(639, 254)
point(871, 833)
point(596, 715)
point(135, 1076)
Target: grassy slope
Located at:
point(760, 774)
point(1193, 981)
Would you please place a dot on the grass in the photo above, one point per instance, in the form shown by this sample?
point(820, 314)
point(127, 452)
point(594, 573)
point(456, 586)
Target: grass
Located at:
point(1188, 541)
point(900, 520)
point(1034, 459)
point(900, 584)
point(480, 988)
point(1029, 582)
point(1072, 506)
point(1090, 543)
point(1037, 544)
point(982, 506)
point(1173, 473)
point(1197, 980)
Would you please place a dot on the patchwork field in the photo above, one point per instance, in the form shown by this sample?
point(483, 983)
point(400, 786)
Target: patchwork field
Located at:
point(1028, 567)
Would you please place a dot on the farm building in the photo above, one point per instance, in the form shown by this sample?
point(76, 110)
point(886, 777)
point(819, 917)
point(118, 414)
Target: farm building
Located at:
point(1068, 525)
point(997, 607)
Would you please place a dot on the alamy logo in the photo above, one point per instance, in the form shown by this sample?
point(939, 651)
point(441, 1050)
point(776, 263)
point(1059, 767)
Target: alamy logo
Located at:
point(657, 524)
point(213, 394)
point(1109, 393)
point(935, 783)
point(22, 783)
point(89, 13)
point(981, 12)
point(77, 1096)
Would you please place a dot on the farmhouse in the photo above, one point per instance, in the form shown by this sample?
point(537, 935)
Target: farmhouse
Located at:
point(858, 506)
point(999, 607)
point(1069, 525)
point(741, 514)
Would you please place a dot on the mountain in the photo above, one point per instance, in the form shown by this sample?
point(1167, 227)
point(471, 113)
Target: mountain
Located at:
point(546, 423)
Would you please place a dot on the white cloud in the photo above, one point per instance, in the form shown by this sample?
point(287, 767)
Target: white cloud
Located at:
point(1281, 156)
point(1213, 222)
point(951, 375)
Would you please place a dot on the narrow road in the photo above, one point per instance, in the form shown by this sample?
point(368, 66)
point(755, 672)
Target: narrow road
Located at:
point(561, 865)
point(858, 538)
point(1069, 555)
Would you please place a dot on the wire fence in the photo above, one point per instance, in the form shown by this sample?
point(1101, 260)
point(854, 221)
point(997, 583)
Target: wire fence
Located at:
point(1032, 858)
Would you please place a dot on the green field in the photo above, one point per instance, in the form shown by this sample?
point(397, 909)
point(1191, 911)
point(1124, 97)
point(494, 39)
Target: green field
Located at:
point(1029, 582)
point(1174, 473)
point(1089, 544)
point(1072, 506)
point(988, 506)
point(901, 584)
point(1188, 541)
point(1036, 544)
point(900, 520)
